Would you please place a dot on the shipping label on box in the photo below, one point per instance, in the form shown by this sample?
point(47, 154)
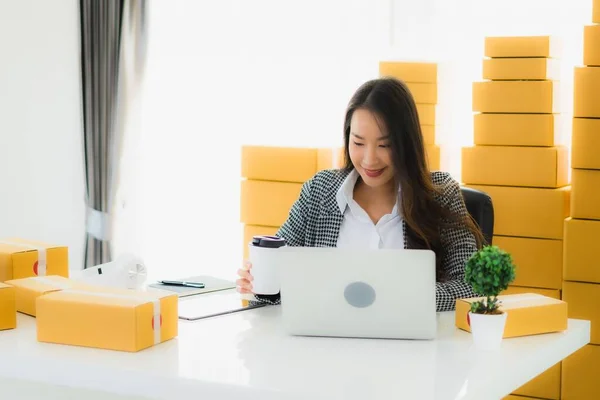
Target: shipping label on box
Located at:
point(27, 290)
point(516, 97)
point(522, 46)
point(515, 129)
point(581, 262)
point(585, 194)
point(527, 314)
point(8, 308)
point(585, 143)
point(515, 166)
point(21, 258)
point(521, 69)
point(113, 319)
point(413, 72)
point(585, 92)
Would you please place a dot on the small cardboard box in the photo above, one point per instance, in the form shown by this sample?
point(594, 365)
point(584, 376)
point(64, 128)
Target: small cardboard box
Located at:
point(413, 72)
point(596, 12)
point(516, 97)
point(586, 89)
point(585, 143)
point(284, 164)
point(515, 166)
point(432, 152)
point(112, 319)
point(426, 113)
point(585, 194)
point(428, 132)
point(8, 309)
point(423, 93)
point(521, 69)
point(521, 46)
point(529, 212)
point(581, 262)
point(27, 290)
point(591, 45)
point(528, 314)
point(515, 129)
point(21, 258)
point(580, 371)
point(583, 299)
point(267, 203)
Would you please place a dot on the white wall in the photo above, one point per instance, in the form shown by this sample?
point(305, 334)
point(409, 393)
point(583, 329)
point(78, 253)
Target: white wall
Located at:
point(41, 166)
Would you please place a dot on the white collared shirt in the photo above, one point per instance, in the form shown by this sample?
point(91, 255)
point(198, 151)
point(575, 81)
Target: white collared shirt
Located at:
point(358, 230)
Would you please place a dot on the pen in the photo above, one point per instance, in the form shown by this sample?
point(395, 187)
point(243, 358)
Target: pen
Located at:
point(198, 285)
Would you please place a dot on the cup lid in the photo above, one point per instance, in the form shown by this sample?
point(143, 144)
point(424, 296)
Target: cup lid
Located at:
point(268, 241)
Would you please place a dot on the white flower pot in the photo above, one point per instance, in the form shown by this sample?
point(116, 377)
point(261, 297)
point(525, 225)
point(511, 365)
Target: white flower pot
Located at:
point(487, 330)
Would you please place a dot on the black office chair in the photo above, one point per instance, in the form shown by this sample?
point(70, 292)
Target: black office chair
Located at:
point(480, 206)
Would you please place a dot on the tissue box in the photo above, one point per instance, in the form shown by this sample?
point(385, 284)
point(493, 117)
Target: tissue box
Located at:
point(8, 311)
point(27, 290)
point(528, 314)
point(24, 258)
point(112, 319)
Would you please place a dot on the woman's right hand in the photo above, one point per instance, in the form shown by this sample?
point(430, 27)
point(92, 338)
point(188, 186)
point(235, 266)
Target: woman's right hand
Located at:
point(244, 284)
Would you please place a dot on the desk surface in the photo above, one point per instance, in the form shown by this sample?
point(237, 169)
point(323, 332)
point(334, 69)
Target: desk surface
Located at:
point(247, 356)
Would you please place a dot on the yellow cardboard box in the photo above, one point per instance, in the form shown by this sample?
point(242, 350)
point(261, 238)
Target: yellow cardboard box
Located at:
point(516, 166)
point(426, 114)
point(596, 12)
point(413, 72)
point(528, 314)
point(586, 89)
point(267, 203)
point(538, 261)
point(255, 230)
point(516, 97)
point(522, 46)
point(585, 143)
point(521, 69)
point(8, 308)
point(21, 258)
point(113, 319)
point(27, 290)
point(330, 158)
point(515, 129)
point(581, 262)
point(529, 212)
point(585, 194)
point(424, 93)
point(544, 386)
point(580, 374)
point(583, 299)
point(284, 164)
point(433, 156)
point(552, 293)
point(591, 45)
point(428, 132)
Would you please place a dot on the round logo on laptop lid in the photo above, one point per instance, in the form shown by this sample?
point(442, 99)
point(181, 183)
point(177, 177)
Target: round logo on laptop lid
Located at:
point(359, 294)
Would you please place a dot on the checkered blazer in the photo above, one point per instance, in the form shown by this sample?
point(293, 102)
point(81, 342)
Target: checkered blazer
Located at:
point(315, 220)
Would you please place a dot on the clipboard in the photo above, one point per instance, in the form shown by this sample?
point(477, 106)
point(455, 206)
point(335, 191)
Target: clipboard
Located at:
point(214, 304)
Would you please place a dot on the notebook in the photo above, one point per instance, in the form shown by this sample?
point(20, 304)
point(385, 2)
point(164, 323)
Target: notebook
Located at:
point(214, 304)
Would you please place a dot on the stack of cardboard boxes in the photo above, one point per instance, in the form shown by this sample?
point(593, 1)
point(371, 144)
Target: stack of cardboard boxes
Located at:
point(517, 162)
point(421, 79)
point(581, 288)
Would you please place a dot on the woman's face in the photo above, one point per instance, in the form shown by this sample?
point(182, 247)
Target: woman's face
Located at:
point(369, 149)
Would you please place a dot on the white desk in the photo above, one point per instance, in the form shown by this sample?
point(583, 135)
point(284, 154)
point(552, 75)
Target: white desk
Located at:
point(245, 356)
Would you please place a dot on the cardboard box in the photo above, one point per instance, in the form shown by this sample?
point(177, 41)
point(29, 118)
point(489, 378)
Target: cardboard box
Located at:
point(522, 46)
point(8, 308)
point(27, 290)
point(424, 93)
point(330, 158)
point(591, 45)
point(433, 157)
point(580, 372)
point(112, 319)
point(538, 261)
point(428, 132)
point(596, 12)
point(581, 262)
point(516, 166)
point(521, 69)
point(21, 258)
point(585, 194)
point(516, 97)
point(255, 230)
point(267, 203)
point(426, 114)
point(552, 293)
point(515, 129)
point(544, 386)
point(413, 72)
point(528, 314)
point(585, 143)
point(283, 164)
point(583, 299)
point(528, 212)
point(586, 89)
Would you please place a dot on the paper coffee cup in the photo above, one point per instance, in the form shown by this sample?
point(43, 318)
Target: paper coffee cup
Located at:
point(264, 268)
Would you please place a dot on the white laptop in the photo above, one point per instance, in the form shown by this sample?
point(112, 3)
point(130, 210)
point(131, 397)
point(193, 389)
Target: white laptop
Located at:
point(358, 293)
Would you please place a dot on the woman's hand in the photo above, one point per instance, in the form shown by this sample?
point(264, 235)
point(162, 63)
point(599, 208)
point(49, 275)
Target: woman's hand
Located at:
point(244, 284)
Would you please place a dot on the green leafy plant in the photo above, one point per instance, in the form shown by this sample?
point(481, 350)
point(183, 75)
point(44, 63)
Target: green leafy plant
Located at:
point(489, 271)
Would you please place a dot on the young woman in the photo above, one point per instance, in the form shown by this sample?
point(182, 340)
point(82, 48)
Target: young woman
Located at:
point(385, 196)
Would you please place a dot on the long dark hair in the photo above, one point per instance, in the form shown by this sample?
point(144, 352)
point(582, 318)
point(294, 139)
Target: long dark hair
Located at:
point(393, 104)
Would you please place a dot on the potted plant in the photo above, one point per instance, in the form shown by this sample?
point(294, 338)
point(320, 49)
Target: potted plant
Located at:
point(489, 271)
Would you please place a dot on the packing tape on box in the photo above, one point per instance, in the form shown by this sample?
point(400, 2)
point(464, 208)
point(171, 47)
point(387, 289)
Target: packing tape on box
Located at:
point(41, 262)
point(47, 281)
point(156, 317)
point(126, 272)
